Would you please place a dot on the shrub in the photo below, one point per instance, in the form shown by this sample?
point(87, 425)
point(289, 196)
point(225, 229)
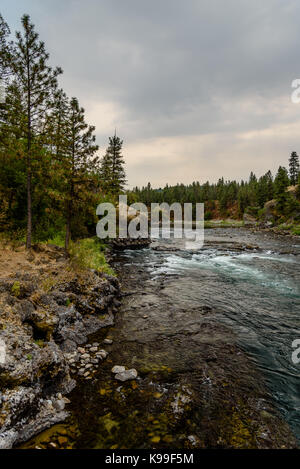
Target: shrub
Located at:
point(89, 254)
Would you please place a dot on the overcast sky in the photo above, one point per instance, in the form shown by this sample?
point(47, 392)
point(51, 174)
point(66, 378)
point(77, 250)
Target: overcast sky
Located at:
point(198, 89)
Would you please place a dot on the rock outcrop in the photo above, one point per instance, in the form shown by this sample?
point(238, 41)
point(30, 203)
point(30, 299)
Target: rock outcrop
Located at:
point(46, 313)
point(130, 243)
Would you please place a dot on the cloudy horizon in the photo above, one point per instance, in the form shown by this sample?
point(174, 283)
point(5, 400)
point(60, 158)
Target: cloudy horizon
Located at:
point(198, 90)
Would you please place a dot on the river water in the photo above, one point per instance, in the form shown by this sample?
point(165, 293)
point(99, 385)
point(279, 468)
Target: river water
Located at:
point(256, 292)
point(182, 315)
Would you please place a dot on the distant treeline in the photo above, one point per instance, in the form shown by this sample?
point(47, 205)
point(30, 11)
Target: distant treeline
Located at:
point(232, 198)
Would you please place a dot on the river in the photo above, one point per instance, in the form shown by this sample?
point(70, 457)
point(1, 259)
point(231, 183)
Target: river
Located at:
point(186, 321)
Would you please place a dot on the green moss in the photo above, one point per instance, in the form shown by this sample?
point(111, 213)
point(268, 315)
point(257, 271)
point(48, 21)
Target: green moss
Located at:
point(49, 283)
point(237, 431)
point(16, 289)
point(40, 343)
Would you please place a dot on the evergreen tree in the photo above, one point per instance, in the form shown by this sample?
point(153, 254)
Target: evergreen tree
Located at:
point(294, 168)
point(265, 189)
point(4, 47)
point(270, 185)
point(112, 170)
point(280, 185)
point(35, 82)
point(77, 150)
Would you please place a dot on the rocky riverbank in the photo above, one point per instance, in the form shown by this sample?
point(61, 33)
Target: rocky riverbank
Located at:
point(48, 311)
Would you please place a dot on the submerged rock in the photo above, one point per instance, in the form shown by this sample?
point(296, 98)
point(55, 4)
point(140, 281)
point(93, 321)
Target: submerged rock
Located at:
point(108, 342)
point(118, 369)
point(127, 375)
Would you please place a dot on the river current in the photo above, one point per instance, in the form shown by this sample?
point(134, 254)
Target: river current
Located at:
point(255, 291)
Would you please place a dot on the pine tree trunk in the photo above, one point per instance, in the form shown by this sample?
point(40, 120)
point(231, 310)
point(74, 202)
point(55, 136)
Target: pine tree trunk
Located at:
point(69, 219)
point(68, 230)
point(29, 198)
point(29, 202)
point(29, 208)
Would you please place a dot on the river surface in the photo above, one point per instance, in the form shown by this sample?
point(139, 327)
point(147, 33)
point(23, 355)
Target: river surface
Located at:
point(248, 283)
point(256, 292)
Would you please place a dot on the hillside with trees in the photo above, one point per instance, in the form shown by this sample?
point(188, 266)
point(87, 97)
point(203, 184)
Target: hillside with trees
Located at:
point(233, 199)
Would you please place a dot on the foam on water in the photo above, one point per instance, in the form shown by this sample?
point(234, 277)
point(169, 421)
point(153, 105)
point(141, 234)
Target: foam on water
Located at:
point(236, 266)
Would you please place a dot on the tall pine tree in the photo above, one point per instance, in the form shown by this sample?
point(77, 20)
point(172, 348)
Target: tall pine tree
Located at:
point(4, 46)
point(77, 152)
point(294, 168)
point(280, 185)
point(112, 172)
point(36, 82)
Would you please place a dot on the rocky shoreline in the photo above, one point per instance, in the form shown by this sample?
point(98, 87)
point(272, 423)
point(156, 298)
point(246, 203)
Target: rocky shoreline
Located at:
point(48, 311)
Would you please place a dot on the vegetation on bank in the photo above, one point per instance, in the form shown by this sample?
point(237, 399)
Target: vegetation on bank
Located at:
point(89, 253)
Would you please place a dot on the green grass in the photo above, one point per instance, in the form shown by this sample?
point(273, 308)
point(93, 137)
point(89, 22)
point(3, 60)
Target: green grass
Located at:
point(296, 230)
point(58, 240)
point(223, 223)
point(90, 254)
point(291, 227)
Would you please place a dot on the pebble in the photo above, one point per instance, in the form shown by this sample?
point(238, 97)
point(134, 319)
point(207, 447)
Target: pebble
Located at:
point(118, 369)
point(127, 375)
point(108, 342)
point(94, 349)
point(81, 350)
point(95, 344)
